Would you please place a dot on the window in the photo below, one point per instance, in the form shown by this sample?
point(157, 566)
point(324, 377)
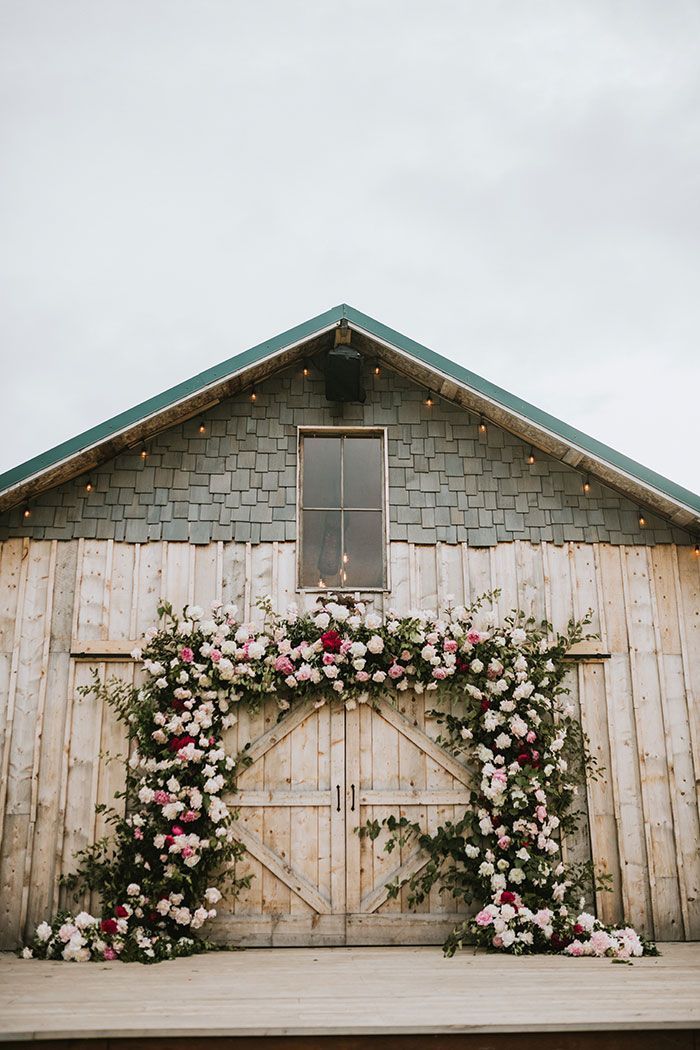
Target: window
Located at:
point(341, 510)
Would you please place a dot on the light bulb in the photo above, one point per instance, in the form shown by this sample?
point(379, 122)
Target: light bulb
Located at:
point(482, 426)
point(531, 457)
point(429, 399)
point(202, 428)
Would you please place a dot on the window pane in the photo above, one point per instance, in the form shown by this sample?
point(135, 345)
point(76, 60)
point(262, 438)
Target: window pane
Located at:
point(321, 553)
point(363, 558)
point(321, 472)
point(363, 469)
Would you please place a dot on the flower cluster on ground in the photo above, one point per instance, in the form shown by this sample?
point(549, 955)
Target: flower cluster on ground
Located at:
point(512, 723)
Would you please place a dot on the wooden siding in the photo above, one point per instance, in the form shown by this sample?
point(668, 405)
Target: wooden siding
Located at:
point(638, 707)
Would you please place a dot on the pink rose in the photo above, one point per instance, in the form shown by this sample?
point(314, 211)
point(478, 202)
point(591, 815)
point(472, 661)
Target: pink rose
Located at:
point(405, 655)
point(187, 851)
point(450, 646)
point(109, 954)
point(497, 941)
point(161, 798)
point(531, 737)
point(504, 842)
point(575, 948)
point(395, 671)
point(362, 676)
point(439, 673)
point(484, 918)
point(138, 834)
point(474, 637)
point(186, 655)
point(328, 659)
point(284, 664)
point(190, 815)
point(541, 813)
point(214, 655)
point(177, 830)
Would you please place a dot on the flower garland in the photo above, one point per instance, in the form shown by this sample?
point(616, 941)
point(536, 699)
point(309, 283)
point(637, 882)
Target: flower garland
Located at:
point(515, 725)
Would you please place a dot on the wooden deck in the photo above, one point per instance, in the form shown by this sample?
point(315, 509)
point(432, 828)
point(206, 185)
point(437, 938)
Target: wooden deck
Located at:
point(352, 992)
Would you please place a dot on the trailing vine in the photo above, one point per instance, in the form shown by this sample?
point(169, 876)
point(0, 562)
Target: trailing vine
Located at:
point(503, 709)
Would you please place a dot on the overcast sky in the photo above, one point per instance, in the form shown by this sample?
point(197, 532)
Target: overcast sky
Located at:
point(514, 184)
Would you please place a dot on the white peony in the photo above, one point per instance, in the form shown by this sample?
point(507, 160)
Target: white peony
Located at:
point(375, 644)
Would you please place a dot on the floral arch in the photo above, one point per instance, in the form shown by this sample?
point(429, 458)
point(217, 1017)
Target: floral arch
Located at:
point(159, 875)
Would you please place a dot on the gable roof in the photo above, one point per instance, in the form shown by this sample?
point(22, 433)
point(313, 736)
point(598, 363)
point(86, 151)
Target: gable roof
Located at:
point(452, 381)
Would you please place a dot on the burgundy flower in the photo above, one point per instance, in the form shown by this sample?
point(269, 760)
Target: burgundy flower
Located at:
point(120, 911)
point(523, 758)
point(507, 897)
point(179, 742)
point(485, 705)
point(109, 926)
point(331, 641)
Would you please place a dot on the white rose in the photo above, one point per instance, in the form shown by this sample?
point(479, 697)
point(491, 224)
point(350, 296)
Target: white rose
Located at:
point(322, 621)
point(373, 621)
point(43, 931)
point(212, 895)
point(133, 889)
point(194, 612)
point(375, 644)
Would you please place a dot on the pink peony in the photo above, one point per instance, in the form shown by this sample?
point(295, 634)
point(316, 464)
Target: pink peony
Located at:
point(362, 676)
point(504, 842)
point(575, 948)
point(474, 637)
point(541, 813)
point(109, 954)
point(190, 815)
point(186, 655)
point(484, 918)
point(450, 646)
point(284, 665)
point(161, 798)
point(395, 671)
point(439, 673)
point(187, 851)
point(214, 655)
point(531, 737)
point(138, 834)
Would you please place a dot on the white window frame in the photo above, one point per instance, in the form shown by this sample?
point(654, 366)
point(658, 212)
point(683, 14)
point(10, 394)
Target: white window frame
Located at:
point(329, 431)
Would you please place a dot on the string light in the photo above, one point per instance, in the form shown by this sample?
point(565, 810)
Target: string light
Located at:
point(306, 369)
point(429, 399)
point(27, 512)
point(202, 427)
point(587, 485)
point(253, 395)
point(642, 520)
point(88, 485)
point(531, 457)
point(482, 426)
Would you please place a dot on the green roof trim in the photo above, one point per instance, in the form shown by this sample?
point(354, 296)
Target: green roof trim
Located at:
point(300, 332)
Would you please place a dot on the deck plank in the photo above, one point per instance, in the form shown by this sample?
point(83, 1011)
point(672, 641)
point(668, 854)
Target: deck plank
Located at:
point(312, 991)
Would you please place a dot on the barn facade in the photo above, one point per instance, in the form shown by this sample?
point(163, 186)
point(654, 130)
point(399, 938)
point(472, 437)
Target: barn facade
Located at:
point(344, 456)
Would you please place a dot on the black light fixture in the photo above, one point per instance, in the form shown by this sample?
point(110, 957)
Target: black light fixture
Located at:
point(531, 457)
point(144, 453)
point(482, 426)
point(377, 369)
point(202, 427)
point(253, 394)
point(429, 399)
point(306, 370)
point(586, 484)
point(343, 369)
point(642, 520)
point(88, 485)
point(27, 512)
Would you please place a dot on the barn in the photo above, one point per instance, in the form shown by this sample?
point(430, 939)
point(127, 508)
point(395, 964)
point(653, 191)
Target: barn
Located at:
point(343, 456)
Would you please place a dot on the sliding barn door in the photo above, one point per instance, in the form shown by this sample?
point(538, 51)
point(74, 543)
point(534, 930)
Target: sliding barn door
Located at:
point(291, 819)
point(393, 766)
point(314, 778)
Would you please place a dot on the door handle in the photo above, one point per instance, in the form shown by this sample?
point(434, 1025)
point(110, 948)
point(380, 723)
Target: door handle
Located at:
point(352, 798)
point(337, 788)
